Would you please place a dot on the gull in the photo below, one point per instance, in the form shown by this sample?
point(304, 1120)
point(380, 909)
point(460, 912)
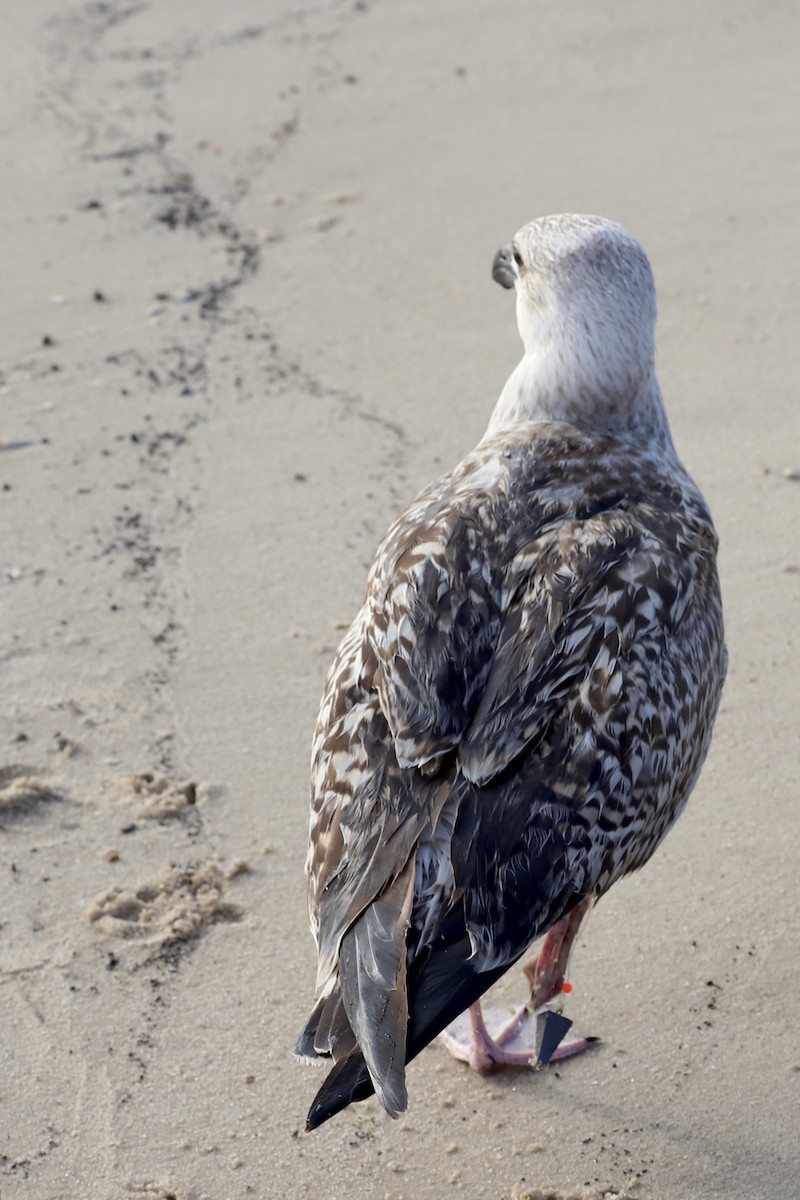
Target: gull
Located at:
point(519, 711)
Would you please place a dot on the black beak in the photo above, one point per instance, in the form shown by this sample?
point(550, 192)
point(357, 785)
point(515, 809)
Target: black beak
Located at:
point(504, 269)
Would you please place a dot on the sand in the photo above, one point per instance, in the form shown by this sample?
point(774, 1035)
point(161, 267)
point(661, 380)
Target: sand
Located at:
point(246, 314)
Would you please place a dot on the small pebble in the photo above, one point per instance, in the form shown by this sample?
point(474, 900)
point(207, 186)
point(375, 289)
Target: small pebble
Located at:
point(342, 198)
point(322, 224)
point(791, 473)
point(266, 236)
point(239, 866)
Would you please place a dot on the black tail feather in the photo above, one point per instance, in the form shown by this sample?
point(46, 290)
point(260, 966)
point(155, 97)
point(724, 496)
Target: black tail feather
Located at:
point(347, 1082)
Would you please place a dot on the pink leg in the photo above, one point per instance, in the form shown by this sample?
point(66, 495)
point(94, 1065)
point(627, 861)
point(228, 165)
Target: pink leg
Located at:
point(513, 1042)
point(545, 972)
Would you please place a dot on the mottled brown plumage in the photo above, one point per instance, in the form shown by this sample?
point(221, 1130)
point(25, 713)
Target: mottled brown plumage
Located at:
point(522, 705)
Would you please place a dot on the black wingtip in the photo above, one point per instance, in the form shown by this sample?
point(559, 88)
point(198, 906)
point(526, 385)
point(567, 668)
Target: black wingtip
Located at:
point(317, 1115)
point(347, 1082)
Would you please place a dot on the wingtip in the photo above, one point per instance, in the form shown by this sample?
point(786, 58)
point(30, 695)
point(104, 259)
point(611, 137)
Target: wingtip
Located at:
point(348, 1081)
point(318, 1114)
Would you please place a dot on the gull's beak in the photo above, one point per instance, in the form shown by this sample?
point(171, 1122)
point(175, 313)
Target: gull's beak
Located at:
point(504, 269)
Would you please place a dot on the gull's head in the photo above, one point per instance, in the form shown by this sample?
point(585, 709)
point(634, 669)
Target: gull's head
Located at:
point(586, 311)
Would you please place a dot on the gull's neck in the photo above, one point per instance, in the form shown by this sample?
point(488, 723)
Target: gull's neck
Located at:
point(541, 389)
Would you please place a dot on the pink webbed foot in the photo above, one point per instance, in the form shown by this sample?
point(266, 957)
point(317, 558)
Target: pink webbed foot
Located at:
point(521, 1039)
point(533, 1035)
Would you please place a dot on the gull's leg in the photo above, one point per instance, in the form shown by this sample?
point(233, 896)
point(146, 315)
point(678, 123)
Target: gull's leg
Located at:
point(513, 1041)
point(545, 972)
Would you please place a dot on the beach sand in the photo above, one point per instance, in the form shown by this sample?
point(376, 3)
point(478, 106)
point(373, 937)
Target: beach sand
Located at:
point(246, 314)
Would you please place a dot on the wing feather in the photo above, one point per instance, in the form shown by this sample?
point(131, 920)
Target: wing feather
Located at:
point(372, 972)
point(434, 620)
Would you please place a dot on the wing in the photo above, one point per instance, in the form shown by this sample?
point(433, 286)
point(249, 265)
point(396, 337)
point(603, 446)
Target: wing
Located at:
point(368, 816)
point(434, 618)
point(367, 812)
point(594, 722)
point(403, 687)
point(576, 605)
point(401, 691)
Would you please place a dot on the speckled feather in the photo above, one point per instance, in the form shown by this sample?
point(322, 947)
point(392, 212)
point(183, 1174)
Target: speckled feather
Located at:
point(515, 718)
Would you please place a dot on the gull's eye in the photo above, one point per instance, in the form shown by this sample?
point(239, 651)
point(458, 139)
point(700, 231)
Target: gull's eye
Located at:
point(517, 257)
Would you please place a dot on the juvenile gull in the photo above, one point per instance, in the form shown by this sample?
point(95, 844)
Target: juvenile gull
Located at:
point(520, 709)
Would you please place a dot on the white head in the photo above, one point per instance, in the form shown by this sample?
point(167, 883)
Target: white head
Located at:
point(586, 312)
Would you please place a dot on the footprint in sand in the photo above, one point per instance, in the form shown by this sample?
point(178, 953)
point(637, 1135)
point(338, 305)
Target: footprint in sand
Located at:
point(178, 904)
point(163, 799)
point(23, 790)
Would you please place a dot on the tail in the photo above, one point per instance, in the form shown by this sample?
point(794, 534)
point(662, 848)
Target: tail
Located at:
point(442, 983)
